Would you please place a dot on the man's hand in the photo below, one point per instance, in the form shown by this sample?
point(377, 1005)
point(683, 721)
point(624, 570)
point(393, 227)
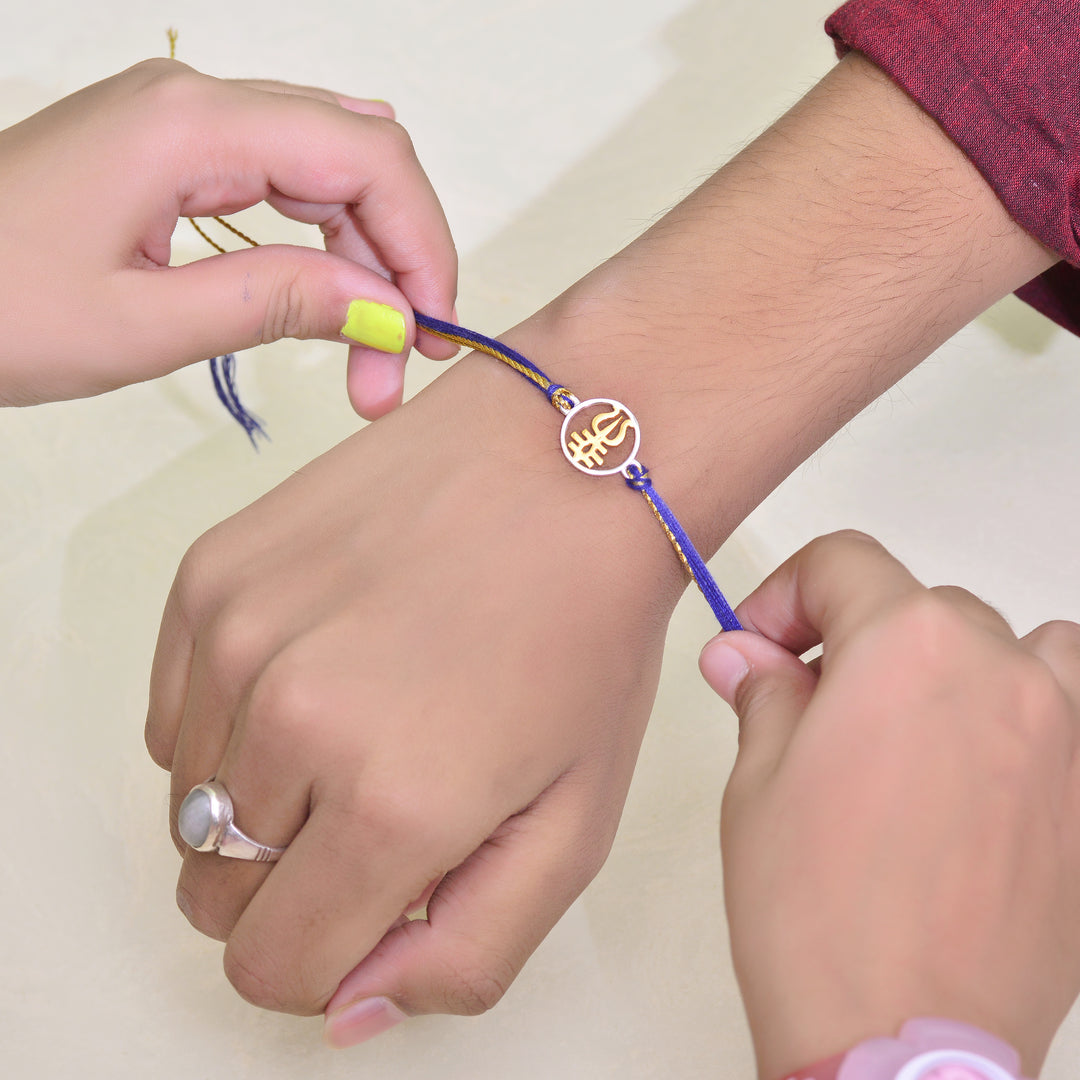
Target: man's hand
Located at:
point(439, 683)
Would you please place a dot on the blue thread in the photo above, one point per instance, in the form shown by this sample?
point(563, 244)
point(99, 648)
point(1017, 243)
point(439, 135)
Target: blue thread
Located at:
point(223, 372)
point(553, 392)
point(637, 477)
point(459, 333)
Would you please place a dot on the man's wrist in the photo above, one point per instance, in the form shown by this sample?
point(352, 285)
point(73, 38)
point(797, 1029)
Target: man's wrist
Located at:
point(791, 289)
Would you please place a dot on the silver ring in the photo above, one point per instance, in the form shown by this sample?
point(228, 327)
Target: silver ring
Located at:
point(206, 824)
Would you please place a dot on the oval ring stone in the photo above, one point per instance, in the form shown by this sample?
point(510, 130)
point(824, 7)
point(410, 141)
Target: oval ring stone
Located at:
point(196, 818)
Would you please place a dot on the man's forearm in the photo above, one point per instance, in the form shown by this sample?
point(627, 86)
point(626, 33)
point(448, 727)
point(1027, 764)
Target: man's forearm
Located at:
point(793, 287)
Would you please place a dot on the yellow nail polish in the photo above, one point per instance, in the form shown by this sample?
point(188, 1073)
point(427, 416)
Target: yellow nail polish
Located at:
point(376, 325)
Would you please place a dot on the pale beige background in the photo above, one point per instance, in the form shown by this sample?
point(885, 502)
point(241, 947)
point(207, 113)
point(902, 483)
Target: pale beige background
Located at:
point(555, 131)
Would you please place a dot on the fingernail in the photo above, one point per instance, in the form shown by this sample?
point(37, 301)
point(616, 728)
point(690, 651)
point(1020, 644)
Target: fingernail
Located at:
point(376, 325)
point(724, 668)
point(360, 1021)
point(360, 104)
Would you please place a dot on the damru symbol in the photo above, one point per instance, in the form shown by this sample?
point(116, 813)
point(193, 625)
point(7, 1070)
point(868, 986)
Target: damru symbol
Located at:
point(590, 446)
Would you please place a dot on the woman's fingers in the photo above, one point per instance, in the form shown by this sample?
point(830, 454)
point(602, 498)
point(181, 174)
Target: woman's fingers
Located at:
point(1057, 644)
point(161, 141)
point(826, 593)
point(389, 248)
point(767, 686)
point(312, 152)
point(226, 303)
point(838, 583)
point(826, 590)
point(374, 381)
point(975, 610)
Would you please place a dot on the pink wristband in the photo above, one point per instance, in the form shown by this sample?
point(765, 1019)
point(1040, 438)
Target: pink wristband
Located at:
point(924, 1050)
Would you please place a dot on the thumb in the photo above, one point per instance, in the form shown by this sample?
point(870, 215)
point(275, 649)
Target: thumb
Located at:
point(767, 686)
point(484, 919)
point(235, 301)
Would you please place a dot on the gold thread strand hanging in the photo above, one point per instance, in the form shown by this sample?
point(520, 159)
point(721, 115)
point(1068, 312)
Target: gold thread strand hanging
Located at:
point(213, 243)
point(236, 232)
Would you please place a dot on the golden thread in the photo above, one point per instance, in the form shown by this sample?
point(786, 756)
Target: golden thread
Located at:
point(173, 34)
point(468, 343)
point(212, 243)
point(671, 536)
point(236, 232)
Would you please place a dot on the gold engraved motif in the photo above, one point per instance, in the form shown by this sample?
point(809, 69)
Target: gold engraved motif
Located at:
point(590, 446)
point(594, 429)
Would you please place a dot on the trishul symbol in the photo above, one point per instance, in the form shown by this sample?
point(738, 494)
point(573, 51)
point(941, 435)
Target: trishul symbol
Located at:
point(589, 447)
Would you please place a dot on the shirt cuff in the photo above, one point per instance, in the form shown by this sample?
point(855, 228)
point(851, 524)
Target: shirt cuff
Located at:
point(1000, 79)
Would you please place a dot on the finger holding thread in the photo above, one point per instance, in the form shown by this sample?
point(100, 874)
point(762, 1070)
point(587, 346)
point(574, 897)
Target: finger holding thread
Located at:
point(235, 301)
point(373, 203)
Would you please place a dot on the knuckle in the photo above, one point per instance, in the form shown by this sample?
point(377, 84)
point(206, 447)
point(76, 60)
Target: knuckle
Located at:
point(402, 814)
point(169, 89)
point(203, 918)
point(853, 536)
point(288, 313)
point(196, 585)
point(927, 620)
point(823, 550)
point(475, 988)
point(157, 68)
point(158, 746)
point(953, 594)
point(255, 977)
point(236, 644)
point(398, 143)
point(289, 705)
point(1057, 641)
point(845, 536)
point(1041, 713)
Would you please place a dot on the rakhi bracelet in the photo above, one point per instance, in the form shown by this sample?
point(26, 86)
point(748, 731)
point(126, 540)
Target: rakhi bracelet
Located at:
point(609, 425)
point(600, 437)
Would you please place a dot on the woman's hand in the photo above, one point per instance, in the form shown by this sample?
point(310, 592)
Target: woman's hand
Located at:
point(91, 189)
point(901, 832)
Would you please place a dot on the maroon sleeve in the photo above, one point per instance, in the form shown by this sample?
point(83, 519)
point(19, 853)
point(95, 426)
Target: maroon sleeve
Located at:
point(1002, 77)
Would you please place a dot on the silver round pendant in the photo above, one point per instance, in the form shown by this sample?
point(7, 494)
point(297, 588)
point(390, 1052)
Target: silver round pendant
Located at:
point(600, 436)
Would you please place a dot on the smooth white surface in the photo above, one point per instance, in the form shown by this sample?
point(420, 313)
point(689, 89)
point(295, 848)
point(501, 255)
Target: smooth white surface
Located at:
point(555, 132)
